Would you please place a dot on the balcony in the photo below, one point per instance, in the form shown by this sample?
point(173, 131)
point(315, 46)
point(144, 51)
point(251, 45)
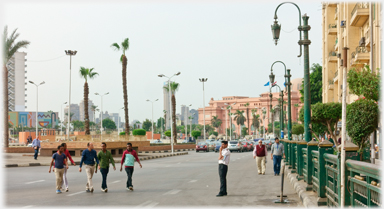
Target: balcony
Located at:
point(336, 77)
point(332, 56)
point(332, 4)
point(336, 14)
point(360, 56)
point(360, 14)
point(332, 29)
point(330, 85)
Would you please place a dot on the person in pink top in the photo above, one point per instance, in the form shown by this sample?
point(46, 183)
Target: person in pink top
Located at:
point(128, 158)
point(68, 156)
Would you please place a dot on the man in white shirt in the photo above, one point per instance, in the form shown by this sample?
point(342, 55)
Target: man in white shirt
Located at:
point(224, 156)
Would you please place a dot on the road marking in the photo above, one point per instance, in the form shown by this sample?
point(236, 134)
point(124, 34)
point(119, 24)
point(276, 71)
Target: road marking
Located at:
point(34, 182)
point(151, 205)
point(147, 204)
point(192, 181)
point(173, 191)
point(28, 206)
point(116, 181)
point(142, 204)
point(75, 193)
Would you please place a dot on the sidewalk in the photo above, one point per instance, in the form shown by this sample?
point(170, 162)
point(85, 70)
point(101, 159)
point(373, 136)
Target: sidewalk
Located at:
point(26, 159)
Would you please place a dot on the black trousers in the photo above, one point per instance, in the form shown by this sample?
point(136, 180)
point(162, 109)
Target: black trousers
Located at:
point(223, 170)
point(129, 174)
point(104, 172)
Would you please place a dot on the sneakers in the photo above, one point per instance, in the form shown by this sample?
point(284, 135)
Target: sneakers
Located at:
point(92, 190)
point(66, 190)
point(127, 188)
point(103, 190)
point(106, 190)
point(58, 191)
point(87, 190)
point(131, 188)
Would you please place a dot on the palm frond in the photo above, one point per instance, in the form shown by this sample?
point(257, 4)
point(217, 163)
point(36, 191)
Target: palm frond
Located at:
point(92, 74)
point(115, 46)
point(10, 45)
point(125, 45)
point(83, 72)
point(174, 87)
point(16, 47)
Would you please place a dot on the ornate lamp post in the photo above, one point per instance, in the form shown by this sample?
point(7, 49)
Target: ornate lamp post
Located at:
point(281, 107)
point(306, 42)
point(70, 53)
point(152, 114)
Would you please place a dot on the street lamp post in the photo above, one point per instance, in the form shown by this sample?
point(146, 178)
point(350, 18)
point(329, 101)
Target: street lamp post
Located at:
point(306, 42)
point(61, 129)
point(70, 53)
point(191, 117)
point(152, 113)
point(264, 112)
point(226, 122)
point(37, 105)
point(230, 118)
point(281, 108)
point(101, 114)
point(170, 103)
point(162, 126)
point(118, 122)
point(186, 121)
point(203, 80)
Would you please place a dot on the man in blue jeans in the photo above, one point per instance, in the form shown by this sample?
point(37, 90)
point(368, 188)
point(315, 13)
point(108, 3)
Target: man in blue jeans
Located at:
point(36, 146)
point(277, 151)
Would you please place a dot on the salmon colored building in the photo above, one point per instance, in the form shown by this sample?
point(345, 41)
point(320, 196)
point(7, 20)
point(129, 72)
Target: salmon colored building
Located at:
point(219, 108)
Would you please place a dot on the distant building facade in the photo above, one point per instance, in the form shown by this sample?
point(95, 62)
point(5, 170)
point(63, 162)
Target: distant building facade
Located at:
point(17, 81)
point(75, 110)
point(82, 111)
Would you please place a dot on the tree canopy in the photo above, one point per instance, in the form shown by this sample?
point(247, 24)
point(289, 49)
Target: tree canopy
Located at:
point(147, 124)
point(364, 83)
point(315, 79)
point(109, 124)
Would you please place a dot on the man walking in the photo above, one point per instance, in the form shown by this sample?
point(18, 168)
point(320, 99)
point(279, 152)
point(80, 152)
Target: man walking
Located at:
point(260, 153)
point(67, 156)
point(105, 157)
point(277, 151)
point(60, 160)
point(88, 157)
point(36, 146)
point(128, 159)
point(224, 155)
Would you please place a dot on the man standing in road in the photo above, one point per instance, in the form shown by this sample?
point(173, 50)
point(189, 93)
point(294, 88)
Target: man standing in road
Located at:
point(128, 158)
point(105, 157)
point(36, 146)
point(88, 157)
point(224, 155)
point(60, 160)
point(260, 153)
point(277, 151)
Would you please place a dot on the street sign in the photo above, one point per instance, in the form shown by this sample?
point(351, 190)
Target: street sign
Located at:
point(339, 124)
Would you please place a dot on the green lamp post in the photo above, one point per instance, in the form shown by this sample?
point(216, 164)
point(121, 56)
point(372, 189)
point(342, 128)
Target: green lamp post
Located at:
point(306, 42)
point(281, 103)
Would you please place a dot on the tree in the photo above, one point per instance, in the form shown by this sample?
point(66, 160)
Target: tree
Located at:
point(10, 48)
point(161, 123)
point(240, 119)
point(78, 125)
point(124, 47)
point(86, 73)
point(362, 120)
point(147, 125)
point(315, 79)
point(167, 133)
point(364, 83)
point(320, 121)
point(109, 124)
point(247, 105)
point(208, 128)
point(174, 87)
point(244, 131)
point(213, 133)
point(298, 129)
point(255, 120)
point(216, 122)
point(196, 134)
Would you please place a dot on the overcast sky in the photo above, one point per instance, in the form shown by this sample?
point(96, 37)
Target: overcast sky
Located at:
point(228, 42)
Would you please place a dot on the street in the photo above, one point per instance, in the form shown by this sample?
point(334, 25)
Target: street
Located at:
point(187, 180)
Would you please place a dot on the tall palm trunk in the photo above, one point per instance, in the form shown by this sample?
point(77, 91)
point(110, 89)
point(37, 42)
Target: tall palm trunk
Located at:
point(86, 115)
point(165, 122)
point(5, 106)
point(125, 94)
point(174, 118)
point(248, 122)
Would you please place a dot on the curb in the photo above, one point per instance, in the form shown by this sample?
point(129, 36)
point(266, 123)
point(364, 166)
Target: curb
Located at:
point(309, 201)
point(162, 151)
point(78, 162)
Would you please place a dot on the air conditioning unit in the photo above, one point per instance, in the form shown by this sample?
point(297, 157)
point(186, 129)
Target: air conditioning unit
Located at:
point(362, 41)
point(342, 24)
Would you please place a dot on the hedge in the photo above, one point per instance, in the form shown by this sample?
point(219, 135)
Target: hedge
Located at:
point(139, 132)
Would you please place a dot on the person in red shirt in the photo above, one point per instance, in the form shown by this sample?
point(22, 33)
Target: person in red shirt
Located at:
point(260, 153)
point(65, 180)
point(128, 159)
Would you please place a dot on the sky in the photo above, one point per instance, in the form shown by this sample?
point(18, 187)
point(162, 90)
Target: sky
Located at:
point(228, 42)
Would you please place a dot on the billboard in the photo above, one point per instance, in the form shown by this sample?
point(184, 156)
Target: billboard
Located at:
point(28, 119)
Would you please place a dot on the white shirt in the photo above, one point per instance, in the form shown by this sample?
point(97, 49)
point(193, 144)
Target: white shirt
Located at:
point(226, 153)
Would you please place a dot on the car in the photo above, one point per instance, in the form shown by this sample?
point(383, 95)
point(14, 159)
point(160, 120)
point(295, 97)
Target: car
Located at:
point(202, 146)
point(211, 146)
point(235, 146)
point(185, 141)
point(156, 141)
point(217, 146)
point(247, 146)
point(268, 144)
point(29, 145)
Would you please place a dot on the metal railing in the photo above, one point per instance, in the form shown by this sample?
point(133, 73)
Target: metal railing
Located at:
point(332, 53)
point(361, 49)
point(331, 82)
point(315, 169)
point(305, 160)
point(332, 26)
point(360, 5)
point(295, 148)
point(336, 74)
point(331, 185)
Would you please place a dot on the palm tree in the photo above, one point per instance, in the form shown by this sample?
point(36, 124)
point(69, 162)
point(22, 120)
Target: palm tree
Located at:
point(247, 105)
point(124, 47)
point(86, 73)
point(240, 119)
point(174, 87)
point(10, 48)
point(255, 120)
point(216, 122)
point(93, 109)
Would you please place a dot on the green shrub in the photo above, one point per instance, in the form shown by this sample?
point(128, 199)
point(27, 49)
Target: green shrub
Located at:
point(196, 134)
point(122, 133)
point(139, 132)
point(298, 129)
point(167, 133)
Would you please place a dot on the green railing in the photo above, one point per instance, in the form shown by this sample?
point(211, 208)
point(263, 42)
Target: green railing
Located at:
point(315, 169)
point(295, 155)
point(331, 185)
point(305, 160)
point(364, 184)
point(332, 26)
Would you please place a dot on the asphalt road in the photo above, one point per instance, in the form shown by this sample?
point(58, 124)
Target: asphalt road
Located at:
point(187, 180)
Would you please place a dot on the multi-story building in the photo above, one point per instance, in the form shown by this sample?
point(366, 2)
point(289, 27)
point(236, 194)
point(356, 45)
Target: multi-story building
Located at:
point(75, 112)
point(195, 116)
point(356, 26)
point(115, 117)
point(219, 108)
point(184, 114)
point(17, 82)
point(105, 115)
point(82, 111)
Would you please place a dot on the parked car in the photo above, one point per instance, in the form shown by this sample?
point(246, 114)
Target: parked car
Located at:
point(247, 146)
point(217, 146)
point(268, 144)
point(253, 144)
point(235, 146)
point(211, 146)
point(202, 146)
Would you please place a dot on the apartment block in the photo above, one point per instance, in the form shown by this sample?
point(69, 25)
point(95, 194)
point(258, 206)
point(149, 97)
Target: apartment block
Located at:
point(17, 81)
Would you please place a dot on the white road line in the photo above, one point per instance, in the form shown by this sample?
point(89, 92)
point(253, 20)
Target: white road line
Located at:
point(31, 182)
point(192, 181)
point(142, 204)
point(173, 191)
point(151, 205)
point(75, 193)
point(116, 181)
point(28, 206)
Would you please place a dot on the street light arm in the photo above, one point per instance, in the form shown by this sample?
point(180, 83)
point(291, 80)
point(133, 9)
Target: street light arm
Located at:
point(300, 27)
point(274, 86)
point(285, 68)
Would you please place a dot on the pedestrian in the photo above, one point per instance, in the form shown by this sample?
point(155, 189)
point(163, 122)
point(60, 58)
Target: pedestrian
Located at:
point(224, 156)
point(260, 153)
point(36, 146)
point(330, 139)
point(128, 158)
point(60, 160)
point(67, 156)
point(339, 141)
point(105, 157)
point(88, 157)
point(277, 151)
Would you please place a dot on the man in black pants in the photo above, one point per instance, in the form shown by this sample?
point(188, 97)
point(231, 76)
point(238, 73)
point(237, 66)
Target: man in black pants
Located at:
point(224, 155)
